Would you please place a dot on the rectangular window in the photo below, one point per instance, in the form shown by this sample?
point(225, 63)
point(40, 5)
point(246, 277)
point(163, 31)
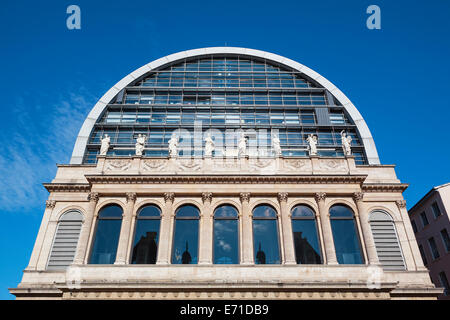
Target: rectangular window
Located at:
point(433, 247)
point(424, 218)
point(445, 239)
point(435, 209)
point(444, 283)
point(422, 253)
point(414, 226)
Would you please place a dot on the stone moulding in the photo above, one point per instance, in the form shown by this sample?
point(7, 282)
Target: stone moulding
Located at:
point(384, 187)
point(67, 187)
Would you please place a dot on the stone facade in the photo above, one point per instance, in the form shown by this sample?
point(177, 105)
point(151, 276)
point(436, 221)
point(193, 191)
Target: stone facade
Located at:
point(318, 182)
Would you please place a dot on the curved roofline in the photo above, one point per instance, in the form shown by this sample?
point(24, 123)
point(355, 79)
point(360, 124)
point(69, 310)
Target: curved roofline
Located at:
point(85, 131)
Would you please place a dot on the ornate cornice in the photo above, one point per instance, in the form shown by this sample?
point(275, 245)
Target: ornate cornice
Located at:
point(225, 179)
point(67, 187)
point(384, 187)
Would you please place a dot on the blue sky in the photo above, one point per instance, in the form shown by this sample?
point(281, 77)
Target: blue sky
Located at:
point(398, 78)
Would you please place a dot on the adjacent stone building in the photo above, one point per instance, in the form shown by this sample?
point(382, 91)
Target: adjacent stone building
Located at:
point(430, 222)
point(225, 173)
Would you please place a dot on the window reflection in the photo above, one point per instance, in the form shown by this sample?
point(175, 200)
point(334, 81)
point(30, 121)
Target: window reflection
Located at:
point(306, 243)
point(185, 244)
point(146, 236)
point(107, 235)
point(346, 241)
point(265, 235)
point(226, 235)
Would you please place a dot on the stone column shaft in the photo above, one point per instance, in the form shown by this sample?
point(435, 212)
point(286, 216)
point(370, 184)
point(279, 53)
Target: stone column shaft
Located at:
point(363, 217)
point(286, 226)
point(125, 229)
point(327, 233)
point(83, 241)
point(165, 237)
point(247, 230)
point(206, 230)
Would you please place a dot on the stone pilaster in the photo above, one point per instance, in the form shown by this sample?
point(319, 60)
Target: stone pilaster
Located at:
point(247, 230)
point(286, 227)
point(165, 237)
point(206, 230)
point(125, 229)
point(363, 220)
point(401, 205)
point(81, 254)
point(327, 233)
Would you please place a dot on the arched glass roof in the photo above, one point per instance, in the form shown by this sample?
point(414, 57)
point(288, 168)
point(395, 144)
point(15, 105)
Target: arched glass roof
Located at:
point(224, 93)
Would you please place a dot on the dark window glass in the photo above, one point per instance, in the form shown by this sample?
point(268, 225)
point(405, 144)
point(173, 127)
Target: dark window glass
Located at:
point(422, 253)
point(226, 245)
point(433, 247)
point(185, 244)
point(445, 239)
point(424, 218)
point(346, 241)
point(145, 246)
point(306, 243)
point(414, 226)
point(444, 283)
point(435, 209)
point(107, 235)
point(265, 235)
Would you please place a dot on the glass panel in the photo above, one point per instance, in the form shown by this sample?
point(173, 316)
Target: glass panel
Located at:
point(346, 241)
point(185, 244)
point(302, 211)
point(225, 211)
point(111, 212)
point(265, 241)
point(264, 212)
point(306, 243)
point(150, 211)
point(145, 245)
point(226, 241)
point(340, 211)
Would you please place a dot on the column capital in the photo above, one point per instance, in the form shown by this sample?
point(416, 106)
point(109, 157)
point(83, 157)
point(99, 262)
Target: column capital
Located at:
point(244, 196)
point(93, 197)
point(358, 196)
point(401, 204)
point(320, 196)
point(169, 197)
point(131, 196)
point(207, 197)
point(50, 204)
point(282, 196)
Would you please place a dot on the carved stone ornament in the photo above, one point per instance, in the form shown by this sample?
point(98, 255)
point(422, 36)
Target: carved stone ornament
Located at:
point(169, 196)
point(118, 165)
point(297, 164)
point(332, 165)
point(154, 165)
point(358, 196)
point(50, 204)
point(131, 196)
point(320, 196)
point(93, 196)
point(189, 164)
point(282, 196)
point(207, 196)
point(244, 196)
point(401, 204)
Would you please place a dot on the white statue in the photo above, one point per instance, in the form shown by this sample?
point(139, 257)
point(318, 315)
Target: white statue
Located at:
point(312, 140)
point(242, 145)
point(276, 145)
point(140, 142)
point(209, 146)
point(173, 143)
point(105, 145)
point(346, 143)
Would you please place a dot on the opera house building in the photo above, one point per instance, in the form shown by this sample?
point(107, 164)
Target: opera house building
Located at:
point(225, 173)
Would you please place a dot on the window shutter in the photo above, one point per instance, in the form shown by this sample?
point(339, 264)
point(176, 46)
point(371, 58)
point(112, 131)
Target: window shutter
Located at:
point(65, 241)
point(386, 241)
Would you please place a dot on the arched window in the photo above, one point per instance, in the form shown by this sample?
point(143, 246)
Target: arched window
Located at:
point(66, 240)
point(265, 235)
point(107, 235)
point(146, 235)
point(306, 241)
point(386, 241)
point(226, 243)
point(185, 243)
point(346, 240)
